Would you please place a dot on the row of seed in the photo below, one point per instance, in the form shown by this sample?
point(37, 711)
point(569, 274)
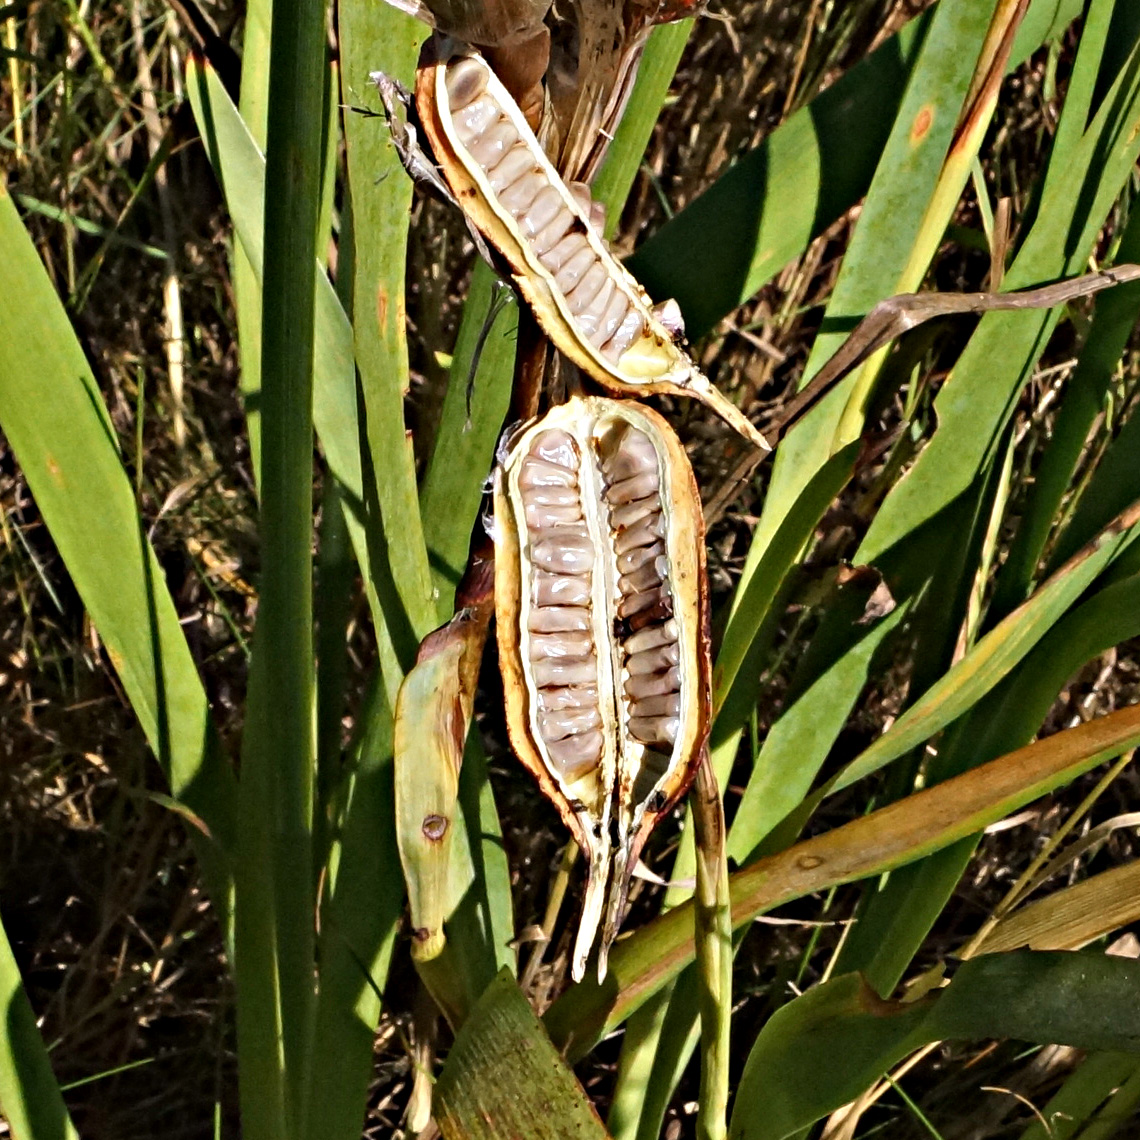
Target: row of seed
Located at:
point(601, 309)
point(563, 658)
point(651, 676)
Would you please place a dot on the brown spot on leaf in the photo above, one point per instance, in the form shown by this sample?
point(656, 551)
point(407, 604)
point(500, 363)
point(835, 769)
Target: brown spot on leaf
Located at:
point(382, 307)
point(53, 470)
point(434, 827)
point(421, 934)
point(809, 862)
point(922, 124)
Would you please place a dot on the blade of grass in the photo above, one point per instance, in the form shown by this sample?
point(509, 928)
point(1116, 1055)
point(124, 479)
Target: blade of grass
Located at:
point(375, 36)
point(891, 242)
point(994, 656)
point(1093, 1084)
point(241, 170)
point(358, 931)
point(254, 108)
point(902, 910)
point(30, 1098)
point(1057, 246)
point(61, 435)
point(275, 935)
point(972, 415)
point(464, 449)
point(655, 73)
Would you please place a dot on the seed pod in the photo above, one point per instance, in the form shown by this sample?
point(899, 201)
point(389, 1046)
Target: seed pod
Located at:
point(590, 306)
point(603, 632)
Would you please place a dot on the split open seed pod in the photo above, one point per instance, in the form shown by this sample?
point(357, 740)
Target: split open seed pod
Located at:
point(588, 304)
point(601, 603)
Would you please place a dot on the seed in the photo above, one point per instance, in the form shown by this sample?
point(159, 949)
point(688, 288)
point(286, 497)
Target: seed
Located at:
point(624, 344)
point(466, 79)
point(522, 192)
point(582, 295)
point(575, 267)
point(542, 211)
point(475, 118)
point(512, 166)
point(489, 149)
point(563, 250)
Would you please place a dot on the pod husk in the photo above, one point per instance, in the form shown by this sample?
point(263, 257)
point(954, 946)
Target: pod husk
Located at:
point(662, 365)
point(686, 552)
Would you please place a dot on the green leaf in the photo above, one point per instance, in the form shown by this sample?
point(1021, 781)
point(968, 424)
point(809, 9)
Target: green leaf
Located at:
point(358, 932)
point(655, 73)
point(826, 1047)
point(274, 928)
point(902, 911)
point(994, 656)
point(54, 420)
point(504, 1079)
point(974, 408)
point(464, 449)
point(1095, 1082)
point(375, 37)
point(30, 1099)
point(1116, 314)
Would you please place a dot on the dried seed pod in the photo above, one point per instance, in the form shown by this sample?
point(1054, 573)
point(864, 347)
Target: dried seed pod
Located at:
point(586, 301)
point(610, 715)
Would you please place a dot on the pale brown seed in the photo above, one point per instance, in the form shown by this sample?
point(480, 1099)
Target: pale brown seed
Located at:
point(539, 516)
point(582, 295)
point(653, 684)
point(560, 253)
point(633, 455)
point(568, 697)
point(555, 619)
point(645, 533)
point(645, 577)
point(564, 552)
point(474, 119)
point(560, 589)
point(575, 268)
point(566, 643)
point(557, 448)
point(491, 147)
point(552, 233)
point(631, 560)
point(652, 638)
point(590, 319)
point(653, 660)
point(636, 487)
point(517, 161)
point(666, 704)
point(465, 80)
point(576, 756)
point(541, 212)
point(654, 729)
point(561, 723)
point(518, 196)
point(556, 672)
point(612, 317)
point(631, 327)
point(536, 472)
point(628, 514)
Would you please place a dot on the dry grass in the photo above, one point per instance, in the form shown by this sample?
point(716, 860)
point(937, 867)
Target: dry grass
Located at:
point(97, 885)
